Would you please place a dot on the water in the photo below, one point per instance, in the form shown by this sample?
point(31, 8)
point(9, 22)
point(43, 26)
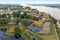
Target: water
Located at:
point(3, 37)
point(48, 5)
point(53, 11)
point(35, 29)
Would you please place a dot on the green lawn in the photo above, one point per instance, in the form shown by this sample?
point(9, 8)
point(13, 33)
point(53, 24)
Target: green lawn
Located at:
point(52, 29)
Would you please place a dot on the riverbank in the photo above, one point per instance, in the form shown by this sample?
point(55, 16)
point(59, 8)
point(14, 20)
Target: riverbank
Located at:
point(54, 12)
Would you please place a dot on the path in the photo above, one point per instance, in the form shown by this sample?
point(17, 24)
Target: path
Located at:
point(56, 33)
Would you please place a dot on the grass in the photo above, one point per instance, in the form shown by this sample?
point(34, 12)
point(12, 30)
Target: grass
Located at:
point(39, 23)
point(10, 31)
point(29, 34)
point(51, 35)
point(8, 11)
point(52, 29)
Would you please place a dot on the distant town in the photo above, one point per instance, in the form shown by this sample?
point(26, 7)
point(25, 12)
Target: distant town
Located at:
point(4, 7)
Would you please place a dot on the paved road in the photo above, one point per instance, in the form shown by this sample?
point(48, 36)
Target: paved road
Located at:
point(56, 34)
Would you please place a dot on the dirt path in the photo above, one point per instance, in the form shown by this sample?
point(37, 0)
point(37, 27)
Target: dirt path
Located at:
point(12, 28)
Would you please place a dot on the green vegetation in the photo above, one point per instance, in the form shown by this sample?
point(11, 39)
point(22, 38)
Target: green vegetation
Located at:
point(52, 35)
point(16, 20)
point(17, 31)
point(4, 21)
point(17, 23)
point(52, 29)
point(25, 22)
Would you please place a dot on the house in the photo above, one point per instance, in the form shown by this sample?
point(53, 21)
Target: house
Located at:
point(11, 23)
point(43, 18)
point(20, 23)
point(33, 14)
point(22, 13)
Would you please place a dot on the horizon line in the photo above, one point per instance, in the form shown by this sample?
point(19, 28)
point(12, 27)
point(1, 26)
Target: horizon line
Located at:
point(29, 2)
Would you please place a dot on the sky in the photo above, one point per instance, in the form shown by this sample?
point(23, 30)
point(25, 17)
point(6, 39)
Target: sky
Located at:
point(29, 1)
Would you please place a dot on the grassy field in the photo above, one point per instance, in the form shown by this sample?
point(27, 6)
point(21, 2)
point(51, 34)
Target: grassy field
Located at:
point(7, 11)
point(10, 30)
point(51, 35)
point(39, 23)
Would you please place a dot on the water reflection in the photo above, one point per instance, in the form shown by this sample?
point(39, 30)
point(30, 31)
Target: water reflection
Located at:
point(45, 26)
point(32, 27)
point(3, 37)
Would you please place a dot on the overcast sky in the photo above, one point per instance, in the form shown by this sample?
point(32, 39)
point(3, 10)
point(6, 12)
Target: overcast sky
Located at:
point(29, 1)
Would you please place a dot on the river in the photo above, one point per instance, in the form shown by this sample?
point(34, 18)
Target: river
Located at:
point(55, 12)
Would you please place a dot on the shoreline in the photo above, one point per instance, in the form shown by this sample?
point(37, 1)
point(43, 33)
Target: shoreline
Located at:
point(54, 12)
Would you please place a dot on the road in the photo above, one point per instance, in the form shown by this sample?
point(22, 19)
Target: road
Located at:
point(8, 11)
point(56, 34)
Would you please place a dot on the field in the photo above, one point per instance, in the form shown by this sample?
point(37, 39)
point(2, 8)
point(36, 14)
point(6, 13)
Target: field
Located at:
point(52, 35)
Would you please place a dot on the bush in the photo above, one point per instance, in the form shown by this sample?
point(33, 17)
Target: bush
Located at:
point(17, 30)
point(16, 20)
point(28, 17)
point(25, 22)
point(4, 21)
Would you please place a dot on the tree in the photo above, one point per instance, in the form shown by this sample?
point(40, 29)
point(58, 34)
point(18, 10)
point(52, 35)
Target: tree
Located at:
point(15, 14)
point(37, 12)
point(4, 16)
point(9, 15)
point(23, 14)
point(4, 21)
point(49, 16)
point(28, 17)
point(17, 21)
point(0, 15)
point(35, 18)
point(27, 8)
point(25, 22)
point(53, 19)
point(17, 32)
